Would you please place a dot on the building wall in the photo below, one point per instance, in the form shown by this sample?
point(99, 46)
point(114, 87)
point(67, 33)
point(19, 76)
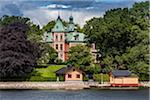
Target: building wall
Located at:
point(123, 80)
point(59, 44)
point(73, 76)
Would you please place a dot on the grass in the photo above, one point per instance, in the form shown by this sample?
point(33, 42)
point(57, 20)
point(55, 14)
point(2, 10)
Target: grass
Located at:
point(49, 71)
point(46, 74)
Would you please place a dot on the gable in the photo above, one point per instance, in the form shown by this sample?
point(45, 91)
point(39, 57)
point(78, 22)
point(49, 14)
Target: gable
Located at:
point(59, 27)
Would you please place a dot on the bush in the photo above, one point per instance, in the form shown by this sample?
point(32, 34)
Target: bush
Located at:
point(61, 78)
point(85, 78)
point(41, 79)
point(59, 61)
point(97, 77)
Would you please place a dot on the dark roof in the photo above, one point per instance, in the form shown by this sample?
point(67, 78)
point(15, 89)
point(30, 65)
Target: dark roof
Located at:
point(63, 70)
point(121, 73)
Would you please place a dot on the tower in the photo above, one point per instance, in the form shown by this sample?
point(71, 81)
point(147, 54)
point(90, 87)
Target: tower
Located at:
point(71, 26)
point(59, 38)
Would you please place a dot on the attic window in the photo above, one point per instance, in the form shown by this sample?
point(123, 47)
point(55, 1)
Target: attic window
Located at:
point(73, 69)
point(57, 27)
point(76, 37)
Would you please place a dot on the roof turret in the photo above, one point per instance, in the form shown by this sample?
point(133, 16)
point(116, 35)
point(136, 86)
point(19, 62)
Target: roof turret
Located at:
point(70, 19)
point(71, 26)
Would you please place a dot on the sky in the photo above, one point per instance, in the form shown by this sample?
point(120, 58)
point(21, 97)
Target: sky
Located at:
point(43, 11)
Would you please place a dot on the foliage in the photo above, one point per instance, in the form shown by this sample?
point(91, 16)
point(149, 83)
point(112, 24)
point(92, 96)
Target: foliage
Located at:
point(59, 61)
point(121, 37)
point(18, 55)
point(99, 77)
point(80, 56)
point(49, 54)
point(93, 69)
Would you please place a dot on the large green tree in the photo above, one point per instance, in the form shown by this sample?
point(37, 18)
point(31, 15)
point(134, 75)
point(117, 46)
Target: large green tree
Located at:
point(121, 37)
point(80, 56)
point(49, 54)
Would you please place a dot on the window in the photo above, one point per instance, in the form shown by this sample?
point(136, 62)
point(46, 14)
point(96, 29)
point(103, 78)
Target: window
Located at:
point(56, 46)
point(76, 37)
point(61, 37)
point(69, 76)
point(78, 76)
point(56, 38)
point(61, 46)
point(73, 69)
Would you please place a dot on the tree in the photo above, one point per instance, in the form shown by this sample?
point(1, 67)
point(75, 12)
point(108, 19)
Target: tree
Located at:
point(120, 35)
point(18, 55)
point(49, 54)
point(80, 56)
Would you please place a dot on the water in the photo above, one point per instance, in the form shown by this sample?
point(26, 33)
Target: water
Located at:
point(142, 94)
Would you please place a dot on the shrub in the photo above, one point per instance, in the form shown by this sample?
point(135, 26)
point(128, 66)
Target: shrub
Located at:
point(97, 77)
point(85, 78)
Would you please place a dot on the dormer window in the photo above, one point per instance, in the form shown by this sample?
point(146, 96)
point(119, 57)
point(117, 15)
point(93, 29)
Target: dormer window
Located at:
point(76, 37)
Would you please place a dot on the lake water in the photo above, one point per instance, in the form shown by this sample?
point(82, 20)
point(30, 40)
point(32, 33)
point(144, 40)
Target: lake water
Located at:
point(142, 94)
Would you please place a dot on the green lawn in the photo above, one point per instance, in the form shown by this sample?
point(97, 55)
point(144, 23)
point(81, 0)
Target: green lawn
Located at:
point(45, 74)
point(49, 71)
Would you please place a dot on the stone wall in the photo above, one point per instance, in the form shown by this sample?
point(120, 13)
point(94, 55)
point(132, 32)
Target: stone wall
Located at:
point(42, 85)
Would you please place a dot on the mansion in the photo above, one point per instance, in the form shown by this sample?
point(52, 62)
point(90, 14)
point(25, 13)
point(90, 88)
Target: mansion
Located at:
point(61, 38)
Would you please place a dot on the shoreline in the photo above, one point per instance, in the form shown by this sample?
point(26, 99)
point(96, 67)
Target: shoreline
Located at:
point(59, 86)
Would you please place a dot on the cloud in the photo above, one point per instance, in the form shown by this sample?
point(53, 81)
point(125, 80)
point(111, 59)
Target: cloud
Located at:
point(56, 6)
point(46, 15)
point(9, 9)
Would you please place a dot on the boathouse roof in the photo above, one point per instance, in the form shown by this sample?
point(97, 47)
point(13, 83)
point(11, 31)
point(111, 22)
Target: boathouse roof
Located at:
point(121, 73)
